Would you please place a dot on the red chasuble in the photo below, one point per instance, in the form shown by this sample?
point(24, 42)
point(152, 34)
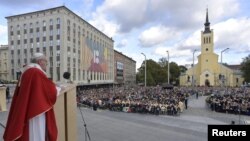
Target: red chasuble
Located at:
point(36, 94)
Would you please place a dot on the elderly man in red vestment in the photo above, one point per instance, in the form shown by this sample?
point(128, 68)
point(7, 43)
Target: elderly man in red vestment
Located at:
point(31, 116)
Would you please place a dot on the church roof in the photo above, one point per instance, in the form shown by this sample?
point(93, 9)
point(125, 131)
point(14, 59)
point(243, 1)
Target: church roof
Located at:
point(207, 24)
point(234, 67)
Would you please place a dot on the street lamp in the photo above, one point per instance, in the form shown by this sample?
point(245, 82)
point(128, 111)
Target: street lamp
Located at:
point(168, 66)
point(221, 64)
point(193, 69)
point(145, 69)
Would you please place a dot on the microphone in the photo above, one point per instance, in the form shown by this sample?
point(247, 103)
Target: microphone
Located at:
point(66, 75)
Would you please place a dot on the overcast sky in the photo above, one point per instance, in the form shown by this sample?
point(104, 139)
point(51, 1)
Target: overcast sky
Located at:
point(155, 26)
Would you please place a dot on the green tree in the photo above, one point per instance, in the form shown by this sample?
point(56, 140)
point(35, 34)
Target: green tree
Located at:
point(174, 73)
point(174, 70)
point(155, 70)
point(246, 68)
point(182, 69)
point(157, 73)
point(163, 62)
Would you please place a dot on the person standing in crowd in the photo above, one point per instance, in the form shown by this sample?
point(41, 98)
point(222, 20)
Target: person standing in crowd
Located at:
point(8, 94)
point(186, 101)
point(232, 122)
point(31, 116)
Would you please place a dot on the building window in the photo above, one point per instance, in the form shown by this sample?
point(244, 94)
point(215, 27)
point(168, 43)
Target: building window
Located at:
point(44, 44)
point(207, 75)
point(50, 43)
point(31, 30)
point(58, 31)
point(50, 22)
point(58, 20)
point(44, 23)
point(58, 42)
point(58, 73)
point(58, 53)
point(51, 73)
point(206, 49)
point(31, 25)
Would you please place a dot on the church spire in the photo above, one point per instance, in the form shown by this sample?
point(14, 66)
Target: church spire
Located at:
point(207, 24)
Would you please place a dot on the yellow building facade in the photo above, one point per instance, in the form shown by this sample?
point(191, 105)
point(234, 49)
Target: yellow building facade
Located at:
point(208, 71)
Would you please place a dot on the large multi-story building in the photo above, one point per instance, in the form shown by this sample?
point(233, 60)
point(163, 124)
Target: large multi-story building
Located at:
point(208, 72)
point(4, 71)
point(70, 43)
point(125, 69)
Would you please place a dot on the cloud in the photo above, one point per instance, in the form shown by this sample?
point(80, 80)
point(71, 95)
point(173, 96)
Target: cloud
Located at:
point(157, 35)
point(185, 15)
point(20, 3)
point(15, 7)
point(83, 8)
point(191, 42)
point(107, 27)
point(173, 52)
point(233, 33)
point(30, 4)
point(181, 57)
point(188, 15)
point(123, 43)
point(127, 13)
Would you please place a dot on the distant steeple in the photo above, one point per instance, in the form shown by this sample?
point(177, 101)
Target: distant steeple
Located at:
point(207, 24)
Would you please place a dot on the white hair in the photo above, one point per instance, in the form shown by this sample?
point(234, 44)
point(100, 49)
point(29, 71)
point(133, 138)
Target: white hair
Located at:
point(37, 56)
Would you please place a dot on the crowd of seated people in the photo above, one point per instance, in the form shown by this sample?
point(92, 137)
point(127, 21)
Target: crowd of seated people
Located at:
point(155, 100)
point(151, 100)
point(234, 100)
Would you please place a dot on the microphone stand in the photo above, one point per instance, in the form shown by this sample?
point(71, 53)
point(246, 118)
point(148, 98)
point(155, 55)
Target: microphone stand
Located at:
point(84, 124)
point(66, 75)
point(2, 125)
